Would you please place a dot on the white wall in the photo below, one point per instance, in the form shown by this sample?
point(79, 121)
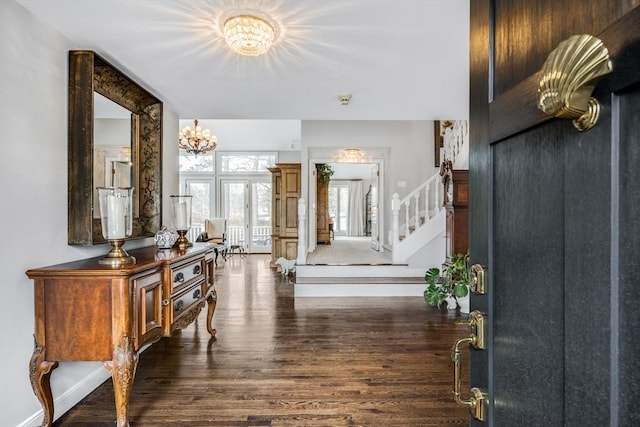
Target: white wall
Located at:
point(409, 143)
point(252, 135)
point(33, 160)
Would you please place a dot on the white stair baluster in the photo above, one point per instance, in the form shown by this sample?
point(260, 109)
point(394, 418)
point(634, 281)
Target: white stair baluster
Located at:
point(417, 211)
point(427, 213)
point(395, 224)
point(406, 218)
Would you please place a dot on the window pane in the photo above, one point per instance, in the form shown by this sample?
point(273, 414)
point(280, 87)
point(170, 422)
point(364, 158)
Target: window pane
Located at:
point(193, 163)
point(333, 201)
point(344, 206)
point(246, 162)
point(201, 202)
point(261, 214)
point(234, 197)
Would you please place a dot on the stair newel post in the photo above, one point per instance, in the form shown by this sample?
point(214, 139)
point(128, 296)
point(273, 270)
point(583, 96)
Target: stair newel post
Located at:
point(302, 232)
point(395, 224)
point(417, 210)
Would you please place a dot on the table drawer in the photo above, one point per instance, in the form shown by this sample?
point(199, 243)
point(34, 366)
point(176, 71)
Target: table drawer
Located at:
point(182, 302)
point(185, 273)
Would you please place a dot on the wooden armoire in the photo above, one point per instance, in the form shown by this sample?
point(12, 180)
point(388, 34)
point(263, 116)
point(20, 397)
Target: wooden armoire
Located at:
point(323, 234)
point(286, 191)
point(457, 209)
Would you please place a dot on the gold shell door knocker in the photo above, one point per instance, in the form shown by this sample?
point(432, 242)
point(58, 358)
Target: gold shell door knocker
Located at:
point(568, 78)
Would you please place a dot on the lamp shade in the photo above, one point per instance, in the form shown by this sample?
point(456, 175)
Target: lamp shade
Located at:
point(181, 212)
point(116, 206)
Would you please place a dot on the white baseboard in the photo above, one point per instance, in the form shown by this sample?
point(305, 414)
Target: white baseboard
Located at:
point(70, 398)
point(358, 271)
point(308, 290)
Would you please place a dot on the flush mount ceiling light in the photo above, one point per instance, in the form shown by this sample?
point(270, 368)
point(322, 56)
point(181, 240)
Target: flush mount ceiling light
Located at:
point(249, 35)
point(351, 155)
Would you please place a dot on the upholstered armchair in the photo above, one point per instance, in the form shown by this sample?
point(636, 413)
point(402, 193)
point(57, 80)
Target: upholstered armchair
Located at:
point(216, 230)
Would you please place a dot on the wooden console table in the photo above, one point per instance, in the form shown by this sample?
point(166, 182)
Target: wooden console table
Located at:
point(93, 312)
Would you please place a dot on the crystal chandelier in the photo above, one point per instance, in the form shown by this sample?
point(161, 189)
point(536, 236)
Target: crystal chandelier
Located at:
point(248, 35)
point(196, 141)
point(351, 155)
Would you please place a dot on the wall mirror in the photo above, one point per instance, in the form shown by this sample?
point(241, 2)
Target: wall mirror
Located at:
point(115, 139)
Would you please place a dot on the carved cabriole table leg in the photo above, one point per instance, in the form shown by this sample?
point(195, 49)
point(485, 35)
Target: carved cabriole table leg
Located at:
point(40, 375)
point(123, 370)
point(212, 300)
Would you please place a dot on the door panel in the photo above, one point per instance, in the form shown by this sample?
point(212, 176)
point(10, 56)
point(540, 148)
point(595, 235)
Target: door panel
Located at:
point(529, 260)
point(201, 208)
point(260, 214)
point(625, 265)
point(555, 216)
point(234, 208)
point(518, 55)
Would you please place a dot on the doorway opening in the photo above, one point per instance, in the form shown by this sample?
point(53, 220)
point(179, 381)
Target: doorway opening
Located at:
point(351, 185)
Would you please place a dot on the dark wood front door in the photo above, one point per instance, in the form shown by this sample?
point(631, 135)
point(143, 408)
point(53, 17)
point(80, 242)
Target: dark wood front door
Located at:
point(555, 218)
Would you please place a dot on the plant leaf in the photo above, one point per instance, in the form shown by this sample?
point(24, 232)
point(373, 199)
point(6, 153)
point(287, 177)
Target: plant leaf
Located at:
point(432, 276)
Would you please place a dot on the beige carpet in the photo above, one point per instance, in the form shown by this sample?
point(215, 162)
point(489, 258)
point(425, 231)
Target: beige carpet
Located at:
point(348, 250)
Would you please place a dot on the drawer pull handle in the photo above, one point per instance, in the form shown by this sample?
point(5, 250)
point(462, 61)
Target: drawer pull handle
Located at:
point(196, 294)
point(197, 269)
point(179, 278)
point(178, 305)
point(165, 302)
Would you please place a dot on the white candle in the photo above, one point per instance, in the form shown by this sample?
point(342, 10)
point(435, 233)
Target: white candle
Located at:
point(181, 216)
point(115, 217)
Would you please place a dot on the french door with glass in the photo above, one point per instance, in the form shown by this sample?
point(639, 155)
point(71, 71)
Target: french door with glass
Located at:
point(202, 191)
point(339, 207)
point(246, 203)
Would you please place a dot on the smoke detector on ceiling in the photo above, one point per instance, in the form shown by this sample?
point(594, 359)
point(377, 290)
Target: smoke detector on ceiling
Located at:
point(344, 98)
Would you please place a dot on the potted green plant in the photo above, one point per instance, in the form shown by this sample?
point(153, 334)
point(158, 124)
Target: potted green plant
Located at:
point(324, 173)
point(452, 283)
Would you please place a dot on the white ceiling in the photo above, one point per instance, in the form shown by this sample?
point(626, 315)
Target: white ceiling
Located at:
point(400, 59)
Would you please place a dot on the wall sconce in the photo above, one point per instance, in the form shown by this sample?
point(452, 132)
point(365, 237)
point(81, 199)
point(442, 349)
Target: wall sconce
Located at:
point(181, 219)
point(117, 223)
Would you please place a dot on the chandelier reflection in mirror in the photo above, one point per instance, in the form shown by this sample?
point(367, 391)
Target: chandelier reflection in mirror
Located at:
point(196, 141)
point(249, 35)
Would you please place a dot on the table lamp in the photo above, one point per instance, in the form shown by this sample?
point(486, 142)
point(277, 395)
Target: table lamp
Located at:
point(181, 219)
point(116, 207)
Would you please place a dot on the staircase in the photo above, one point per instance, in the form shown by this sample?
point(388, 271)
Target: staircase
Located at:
point(416, 244)
point(424, 221)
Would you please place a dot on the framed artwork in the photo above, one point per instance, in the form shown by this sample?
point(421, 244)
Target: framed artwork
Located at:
point(439, 126)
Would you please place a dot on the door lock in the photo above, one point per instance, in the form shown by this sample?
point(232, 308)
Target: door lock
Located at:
point(477, 402)
point(478, 279)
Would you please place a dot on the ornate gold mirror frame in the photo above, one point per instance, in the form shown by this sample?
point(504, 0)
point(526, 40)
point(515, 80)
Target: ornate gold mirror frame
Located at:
point(88, 72)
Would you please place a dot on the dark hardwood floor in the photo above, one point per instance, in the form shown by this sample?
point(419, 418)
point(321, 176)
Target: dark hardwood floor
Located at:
point(278, 361)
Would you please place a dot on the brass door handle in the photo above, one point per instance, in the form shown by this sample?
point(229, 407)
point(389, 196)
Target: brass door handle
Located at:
point(477, 402)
